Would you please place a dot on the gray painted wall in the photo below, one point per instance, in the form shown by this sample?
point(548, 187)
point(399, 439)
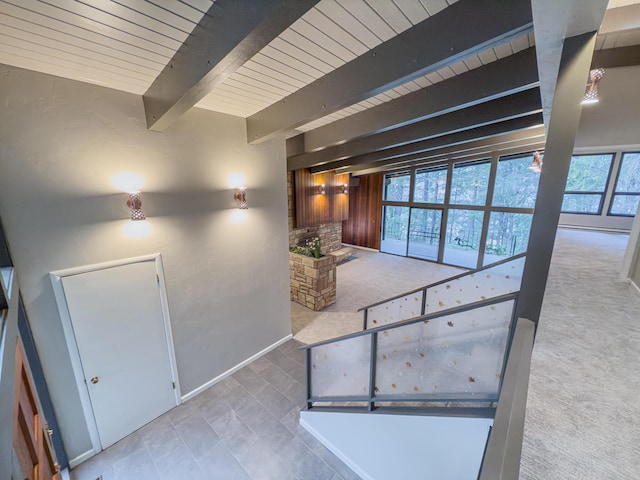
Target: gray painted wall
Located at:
point(613, 121)
point(611, 125)
point(61, 141)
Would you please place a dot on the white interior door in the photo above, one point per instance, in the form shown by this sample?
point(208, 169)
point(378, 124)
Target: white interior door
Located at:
point(117, 320)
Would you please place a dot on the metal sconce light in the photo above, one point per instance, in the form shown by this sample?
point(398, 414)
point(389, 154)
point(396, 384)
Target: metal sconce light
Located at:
point(591, 95)
point(322, 189)
point(241, 197)
point(345, 188)
point(135, 204)
point(536, 164)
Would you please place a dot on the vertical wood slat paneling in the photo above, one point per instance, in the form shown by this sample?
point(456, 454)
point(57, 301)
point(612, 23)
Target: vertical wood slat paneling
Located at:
point(365, 212)
point(314, 208)
point(340, 199)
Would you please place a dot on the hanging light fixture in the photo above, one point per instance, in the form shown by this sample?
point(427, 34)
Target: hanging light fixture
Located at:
point(536, 165)
point(591, 95)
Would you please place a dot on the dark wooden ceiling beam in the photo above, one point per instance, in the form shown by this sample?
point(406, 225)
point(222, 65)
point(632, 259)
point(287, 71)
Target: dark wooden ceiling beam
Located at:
point(420, 148)
point(511, 140)
point(503, 77)
point(465, 28)
point(517, 105)
point(229, 34)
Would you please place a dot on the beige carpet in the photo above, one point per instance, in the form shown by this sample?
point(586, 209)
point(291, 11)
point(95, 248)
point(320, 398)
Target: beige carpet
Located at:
point(583, 412)
point(365, 279)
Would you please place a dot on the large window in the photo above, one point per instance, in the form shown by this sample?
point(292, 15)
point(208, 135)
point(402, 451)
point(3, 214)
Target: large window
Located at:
point(516, 184)
point(508, 235)
point(395, 227)
point(587, 184)
point(470, 182)
point(462, 243)
point(626, 194)
point(424, 233)
point(431, 184)
point(396, 187)
point(451, 213)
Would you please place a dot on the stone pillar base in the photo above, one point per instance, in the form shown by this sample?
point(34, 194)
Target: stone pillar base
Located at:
point(313, 280)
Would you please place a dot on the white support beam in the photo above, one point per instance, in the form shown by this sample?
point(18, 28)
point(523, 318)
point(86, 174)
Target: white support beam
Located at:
point(460, 30)
point(229, 34)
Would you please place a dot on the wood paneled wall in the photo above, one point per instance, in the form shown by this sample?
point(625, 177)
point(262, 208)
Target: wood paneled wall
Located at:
point(314, 208)
point(365, 212)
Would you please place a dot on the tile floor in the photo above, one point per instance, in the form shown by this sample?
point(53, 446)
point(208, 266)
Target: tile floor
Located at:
point(245, 427)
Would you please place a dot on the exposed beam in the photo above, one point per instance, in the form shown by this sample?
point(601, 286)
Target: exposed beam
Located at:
point(462, 29)
point(423, 146)
point(565, 118)
point(463, 156)
point(616, 57)
point(499, 142)
point(503, 77)
point(555, 20)
point(518, 105)
point(229, 34)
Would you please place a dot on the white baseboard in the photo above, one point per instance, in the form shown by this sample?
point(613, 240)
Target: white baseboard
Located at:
point(333, 449)
point(231, 371)
point(634, 284)
point(64, 474)
point(83, 457)
point(361, 247)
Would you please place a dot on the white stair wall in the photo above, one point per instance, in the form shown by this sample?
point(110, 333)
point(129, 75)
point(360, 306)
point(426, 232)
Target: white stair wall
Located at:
point(407, 447)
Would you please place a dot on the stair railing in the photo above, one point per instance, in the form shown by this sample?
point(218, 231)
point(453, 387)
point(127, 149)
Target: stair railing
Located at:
point(501, 459)
point(504, 277)
point(454, 355)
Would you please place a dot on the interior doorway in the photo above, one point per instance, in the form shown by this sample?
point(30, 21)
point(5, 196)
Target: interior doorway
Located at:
point(117, 329)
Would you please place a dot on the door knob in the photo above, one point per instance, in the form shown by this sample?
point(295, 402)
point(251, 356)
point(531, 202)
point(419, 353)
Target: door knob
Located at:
point(95, 380)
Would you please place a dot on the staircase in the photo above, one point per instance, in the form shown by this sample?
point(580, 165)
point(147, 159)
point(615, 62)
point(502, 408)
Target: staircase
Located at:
point(441, 351)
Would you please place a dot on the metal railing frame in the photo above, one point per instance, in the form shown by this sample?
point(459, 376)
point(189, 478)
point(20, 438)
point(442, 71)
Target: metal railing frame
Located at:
point(372, 398)
point(435, 284)
point(501, 460)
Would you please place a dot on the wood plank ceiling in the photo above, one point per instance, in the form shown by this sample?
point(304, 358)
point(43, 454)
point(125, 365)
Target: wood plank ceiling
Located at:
point(125, 45)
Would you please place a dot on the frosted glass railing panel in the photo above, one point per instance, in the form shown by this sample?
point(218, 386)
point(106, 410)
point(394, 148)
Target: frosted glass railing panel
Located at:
point(492, 282)
point(402, 308)
point(342, 368)
point(456, 354)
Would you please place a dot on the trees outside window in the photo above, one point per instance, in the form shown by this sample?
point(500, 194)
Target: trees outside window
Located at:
point(396, 187)
point(470, 182)
point(431, 184)
point(587, 183)
point(452, 214)
point(516, 184)
point(626, 194)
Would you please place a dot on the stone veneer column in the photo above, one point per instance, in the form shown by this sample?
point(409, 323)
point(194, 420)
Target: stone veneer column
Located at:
point(313, 280)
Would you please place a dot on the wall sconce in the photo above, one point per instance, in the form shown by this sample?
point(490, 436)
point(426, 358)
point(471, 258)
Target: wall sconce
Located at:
point(135, 204)
point(345, 188)
point(536, 165)
point(322, 189)
point(591, 95)
point(241, 197)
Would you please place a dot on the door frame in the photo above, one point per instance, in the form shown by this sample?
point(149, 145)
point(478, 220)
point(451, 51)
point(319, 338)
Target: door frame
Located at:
point(72, 346)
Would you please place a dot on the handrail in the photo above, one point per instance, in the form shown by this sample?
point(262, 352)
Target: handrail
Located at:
point(504, 448)
point(446, 280)
point(429, 316)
